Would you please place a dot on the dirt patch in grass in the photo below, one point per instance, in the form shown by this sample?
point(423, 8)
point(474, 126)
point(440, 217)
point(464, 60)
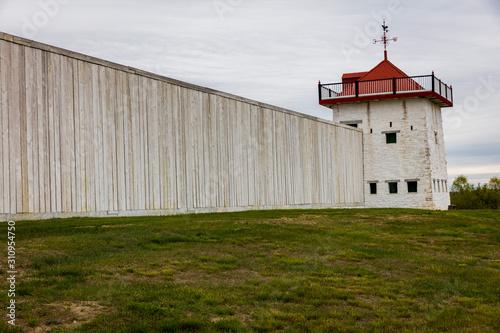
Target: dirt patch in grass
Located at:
point(232, 277)
point(405, 218)
point(235, 277)
point(302, 220)
point(305, 219)
point(68, 316)
point(118, 226)
point(190, 277)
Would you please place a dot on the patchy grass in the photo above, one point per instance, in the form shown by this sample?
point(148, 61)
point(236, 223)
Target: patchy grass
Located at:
point(387, 270)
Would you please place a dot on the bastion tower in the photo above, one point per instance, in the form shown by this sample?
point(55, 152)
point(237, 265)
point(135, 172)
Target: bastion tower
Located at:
point(403, 141)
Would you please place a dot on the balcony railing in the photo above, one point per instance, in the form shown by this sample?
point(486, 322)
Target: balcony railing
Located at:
point(422, 85)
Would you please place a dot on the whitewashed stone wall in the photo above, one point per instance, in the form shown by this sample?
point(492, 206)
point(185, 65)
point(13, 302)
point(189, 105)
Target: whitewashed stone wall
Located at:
point(439, 172)
point(85, 137)
point(416, 155)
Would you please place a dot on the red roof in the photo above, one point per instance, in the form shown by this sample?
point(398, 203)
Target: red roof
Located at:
point(351, 77)
point(384, 70)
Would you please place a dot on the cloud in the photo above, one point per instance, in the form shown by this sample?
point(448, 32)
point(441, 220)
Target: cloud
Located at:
point(276, 51)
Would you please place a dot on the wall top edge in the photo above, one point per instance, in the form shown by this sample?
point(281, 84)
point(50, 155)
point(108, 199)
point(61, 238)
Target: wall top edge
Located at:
point(93, 60)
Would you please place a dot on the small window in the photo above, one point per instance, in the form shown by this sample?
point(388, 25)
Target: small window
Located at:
point(436, 137)
point(390, 138)
point(371, 130)
point(390, 124)
point(373, 188)
point(411, 128)
point(353, 125)
point(412, 187)
point(393, 187)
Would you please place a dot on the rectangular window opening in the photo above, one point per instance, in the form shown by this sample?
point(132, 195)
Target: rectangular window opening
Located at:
point(373, 188)
point(393, 187)
point(390, 138)
point(412, 187)
point(371, 130)
point(390, 124)
point(411, 128)
point(353, 125)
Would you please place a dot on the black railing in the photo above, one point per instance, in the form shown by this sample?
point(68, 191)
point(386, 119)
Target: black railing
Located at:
point(392, 86)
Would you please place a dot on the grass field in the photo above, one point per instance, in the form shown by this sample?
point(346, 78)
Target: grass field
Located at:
point(360, 270)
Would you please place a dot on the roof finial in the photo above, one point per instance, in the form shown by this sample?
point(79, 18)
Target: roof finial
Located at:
point(385, 39)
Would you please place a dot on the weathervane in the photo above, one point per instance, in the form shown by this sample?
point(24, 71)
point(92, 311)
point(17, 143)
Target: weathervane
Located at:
point(385, 39)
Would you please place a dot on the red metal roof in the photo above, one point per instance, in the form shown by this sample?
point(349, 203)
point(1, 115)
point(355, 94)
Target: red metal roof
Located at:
point(384, 70)
point(352, 76)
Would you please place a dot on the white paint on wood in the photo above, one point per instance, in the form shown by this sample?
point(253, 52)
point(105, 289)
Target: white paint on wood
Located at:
point(81, 136)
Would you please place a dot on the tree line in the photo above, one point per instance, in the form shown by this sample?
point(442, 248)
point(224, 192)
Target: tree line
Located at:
point(465, 195)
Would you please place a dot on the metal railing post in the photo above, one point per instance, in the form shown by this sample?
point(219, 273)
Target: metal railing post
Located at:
point(356, 84)
point(319, 91)
point(433, 83)
point(394, 85)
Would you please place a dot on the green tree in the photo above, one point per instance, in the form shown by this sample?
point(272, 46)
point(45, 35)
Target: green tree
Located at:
point(461, 184)
point(465, 195)
point(494, 184)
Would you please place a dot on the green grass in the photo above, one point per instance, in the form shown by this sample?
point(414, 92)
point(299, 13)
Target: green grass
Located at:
point(385, 270)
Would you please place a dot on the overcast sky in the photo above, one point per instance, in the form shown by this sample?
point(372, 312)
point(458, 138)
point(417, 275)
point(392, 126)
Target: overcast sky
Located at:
point(275, 51)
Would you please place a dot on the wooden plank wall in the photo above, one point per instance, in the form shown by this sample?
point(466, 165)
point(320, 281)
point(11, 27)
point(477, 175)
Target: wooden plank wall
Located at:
point(78, 136)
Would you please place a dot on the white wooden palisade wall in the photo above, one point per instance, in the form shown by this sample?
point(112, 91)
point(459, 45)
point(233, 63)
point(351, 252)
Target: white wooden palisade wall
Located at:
point(85, 137)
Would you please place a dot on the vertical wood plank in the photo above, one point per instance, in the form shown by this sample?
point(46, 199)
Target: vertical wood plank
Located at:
point(171, 147)
point(213, 151)
point(30, 101)
point(15, 130)
point(97, 194)
point(120, 116)
point(4, 128)
point(21, 86)
point(208, 170)
point(128, 143)
point(77, 87)
point(179, 157)
point(57, 102)
point(67, 137)
point(135, 136)
point(43, 134)
point(109, 138)
point(36, 105)
point(152, 143)
point(144, 139)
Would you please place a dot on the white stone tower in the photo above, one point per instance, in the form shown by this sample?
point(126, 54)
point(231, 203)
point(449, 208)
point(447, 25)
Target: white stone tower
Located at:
point(404, 153)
